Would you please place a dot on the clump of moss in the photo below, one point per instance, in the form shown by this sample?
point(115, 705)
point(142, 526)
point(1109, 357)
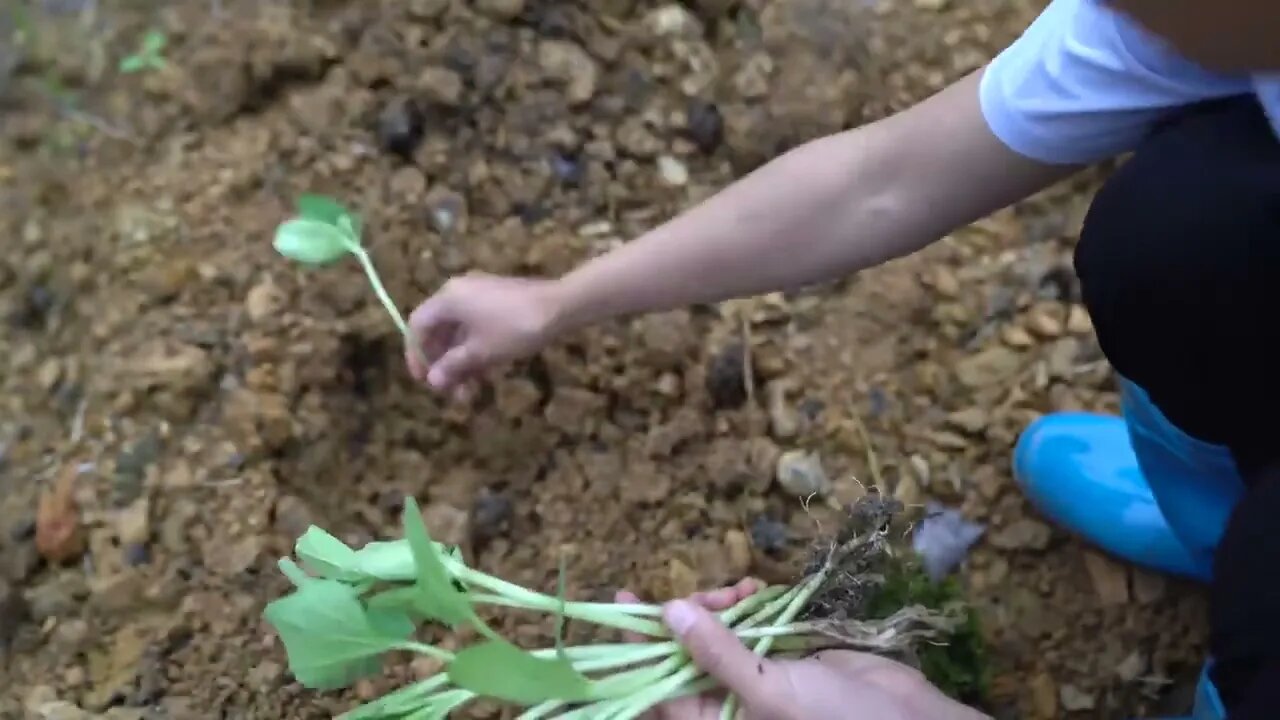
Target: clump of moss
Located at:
point(960, 667)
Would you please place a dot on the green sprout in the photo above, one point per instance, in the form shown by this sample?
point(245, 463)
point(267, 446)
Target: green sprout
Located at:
point(148, 56)
point(350, 607)
point(324, 232)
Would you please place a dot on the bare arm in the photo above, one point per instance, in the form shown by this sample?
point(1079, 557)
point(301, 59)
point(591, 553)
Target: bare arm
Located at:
point(825, 209)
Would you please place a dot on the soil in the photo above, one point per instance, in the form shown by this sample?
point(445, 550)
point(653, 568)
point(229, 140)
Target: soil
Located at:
point(179, 402)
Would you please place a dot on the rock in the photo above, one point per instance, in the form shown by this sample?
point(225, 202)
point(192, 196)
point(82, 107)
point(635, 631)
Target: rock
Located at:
point(1016, 336)
point(441, 86)
point(672, 171)
point(424, 666)
point(907, 490)
point(49, 374)
point(1132, 667)
point(1078, 321)
point(932, 5)
point(1110, 579)
point(400, 127)
point(800, 473)
point(673, 20)
point(569, 64)
point(265, 300)
point(517, 398)
point(1046, 320)
point(117, 593)
point(490, 516)
point(768, 535)
point(974, 420)
point(229, 559)
point(738, 548)
point(501, 9)
point(449, 525)
point(293, 516)
point(1044, 697)
point(1024, 534)
point(14, 611)
point(726, 379)
point(58, 710)
point(634, 138)
point(446, 210)
point(408, 184)
point(265, 676)
point(426, 9)
point(574, 409)
point(1076, 700)
point(666, 339)
point(168, 366)
point(683, 581)
point(1148, 587)
point(133, 524)
point(994, 366)
point(784, 421)
point(942, 539)
point(705, 125)
point(59, 535)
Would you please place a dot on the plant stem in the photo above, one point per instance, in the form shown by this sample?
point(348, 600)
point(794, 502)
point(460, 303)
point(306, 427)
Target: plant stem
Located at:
point(410, 337)
point(803, 592)
point(425, 649)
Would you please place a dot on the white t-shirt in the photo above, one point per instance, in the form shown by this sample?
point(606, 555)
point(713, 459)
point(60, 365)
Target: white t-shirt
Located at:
point(1085, 83)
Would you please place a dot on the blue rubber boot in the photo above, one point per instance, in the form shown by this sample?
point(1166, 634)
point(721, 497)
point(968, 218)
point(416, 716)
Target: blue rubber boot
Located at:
point(1137, 487)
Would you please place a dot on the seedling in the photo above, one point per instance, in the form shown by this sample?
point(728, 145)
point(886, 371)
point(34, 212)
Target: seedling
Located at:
point(323, 233)
point(349, 607)
point(149, 55)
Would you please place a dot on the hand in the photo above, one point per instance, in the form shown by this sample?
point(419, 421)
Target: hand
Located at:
point(476, 321)
point(830, 685)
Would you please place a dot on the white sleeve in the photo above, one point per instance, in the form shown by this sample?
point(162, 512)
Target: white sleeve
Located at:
point(1085, 83)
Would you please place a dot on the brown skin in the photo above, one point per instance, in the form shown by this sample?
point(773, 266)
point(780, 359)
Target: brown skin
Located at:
point(1224, 35)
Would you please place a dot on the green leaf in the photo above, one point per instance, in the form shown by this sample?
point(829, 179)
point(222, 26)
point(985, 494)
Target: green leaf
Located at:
point(329, 639)
point(387, 560)
point(438, 597)
point(327, 556)
point(154, 41)
point(498, 669)
point(321, 208)
point(133, 64)
point(401, 703)
point(311, 242)
point(296, 575)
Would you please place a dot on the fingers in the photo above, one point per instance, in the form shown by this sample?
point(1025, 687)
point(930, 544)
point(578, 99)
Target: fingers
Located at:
point(626, 597)
point(719, 653)
point(727, 597)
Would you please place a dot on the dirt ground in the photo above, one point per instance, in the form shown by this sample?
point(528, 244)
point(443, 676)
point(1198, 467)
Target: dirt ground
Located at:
point(186, 402)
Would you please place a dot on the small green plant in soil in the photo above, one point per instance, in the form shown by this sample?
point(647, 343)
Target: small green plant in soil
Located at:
point(149, 55)
point(350, 607)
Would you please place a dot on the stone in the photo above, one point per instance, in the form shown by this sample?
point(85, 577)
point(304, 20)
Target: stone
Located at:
point(293, 516)
point(784, 420)
point(705, 125)
point(446, 210)
point(726, 377)
point(265, 676)
point(19, 562)
point(441, 86)
point(133, 524)
point(800, 473)
point(683, 581)
point(426, 9)
point(517, 398)
point(1110, 579)
point(1132, 667)
point(932, 5)
point(973, 421)
point(58, 710)
point(672, 171)
point(448, 524)
point(1016, 336)
point(1046, 320)
point(49, 374)
point(1078, 321)
point(994, 366)
point(1074, 699)
point(265, 300)
point(58, 596)
point(400, 127)
point(1044, 697)
point(1024, 534)
point(568, 63)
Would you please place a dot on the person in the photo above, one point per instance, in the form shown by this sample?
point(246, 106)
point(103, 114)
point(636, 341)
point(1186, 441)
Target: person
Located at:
point(1177, 259)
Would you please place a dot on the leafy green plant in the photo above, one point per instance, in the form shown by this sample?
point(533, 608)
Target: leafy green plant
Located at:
point(349, 607)
point(149, 55)
point(324, 232)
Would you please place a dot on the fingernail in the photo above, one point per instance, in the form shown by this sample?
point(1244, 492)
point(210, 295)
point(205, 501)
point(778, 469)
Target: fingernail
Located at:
point(680, 616)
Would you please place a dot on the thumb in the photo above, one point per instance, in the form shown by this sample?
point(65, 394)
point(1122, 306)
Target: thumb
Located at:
point(452, 367)
point(718, 652)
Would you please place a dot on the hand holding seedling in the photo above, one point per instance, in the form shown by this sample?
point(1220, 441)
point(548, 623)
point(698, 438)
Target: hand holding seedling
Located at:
point(829, 685)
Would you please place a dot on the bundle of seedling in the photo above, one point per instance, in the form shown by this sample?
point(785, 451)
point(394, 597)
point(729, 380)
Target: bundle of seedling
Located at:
point(350, 607)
